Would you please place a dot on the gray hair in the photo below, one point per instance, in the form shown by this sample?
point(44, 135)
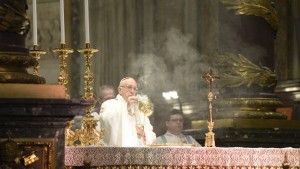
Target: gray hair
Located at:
point(103, 88)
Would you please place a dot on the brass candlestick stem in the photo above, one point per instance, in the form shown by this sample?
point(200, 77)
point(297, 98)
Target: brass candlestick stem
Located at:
point(63, 75)
point(210, 136)
point(36, 55)
point(88, 75)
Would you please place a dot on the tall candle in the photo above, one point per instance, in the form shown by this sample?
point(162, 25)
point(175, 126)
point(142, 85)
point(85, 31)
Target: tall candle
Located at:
point(34, 22)
point(86, 19)
point(62, 23)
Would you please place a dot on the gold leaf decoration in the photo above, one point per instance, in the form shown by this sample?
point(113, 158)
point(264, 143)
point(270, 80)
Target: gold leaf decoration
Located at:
point(237, 70)
point(261, 8)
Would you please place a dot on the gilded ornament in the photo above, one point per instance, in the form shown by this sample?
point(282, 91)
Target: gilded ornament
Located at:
point(260, 8)
point(88, 135)
point(145, 105)
point(237, 70)
point(88, 75)
point(210, 135)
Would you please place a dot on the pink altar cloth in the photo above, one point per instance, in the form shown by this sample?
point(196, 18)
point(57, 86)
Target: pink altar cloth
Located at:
point(183, 156)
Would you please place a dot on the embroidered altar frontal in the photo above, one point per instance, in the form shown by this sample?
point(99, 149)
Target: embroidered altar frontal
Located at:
point(181, 157)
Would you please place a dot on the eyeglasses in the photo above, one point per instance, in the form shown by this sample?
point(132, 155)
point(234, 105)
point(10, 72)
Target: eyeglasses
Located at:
point(129, 88)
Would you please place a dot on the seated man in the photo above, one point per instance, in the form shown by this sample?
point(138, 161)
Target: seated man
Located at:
point(123, 123)
point(173, 135)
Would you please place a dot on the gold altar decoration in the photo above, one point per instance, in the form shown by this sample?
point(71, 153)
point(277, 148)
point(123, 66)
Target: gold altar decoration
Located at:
point(145, 105)
point(63, 75)
point(88, 135)
point(88, 75)
point(250, 108)
point(24, 153)
point(210, 136)
point(261, 8)
point(36, 55)
point(237, 70)
point(30, 159)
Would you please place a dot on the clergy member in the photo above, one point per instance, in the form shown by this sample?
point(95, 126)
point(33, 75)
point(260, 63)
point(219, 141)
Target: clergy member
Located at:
point(123, 123)
point(174, 135)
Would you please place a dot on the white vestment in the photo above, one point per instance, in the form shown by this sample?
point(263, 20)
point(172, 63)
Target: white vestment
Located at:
point(169, 138)
point(120, 126)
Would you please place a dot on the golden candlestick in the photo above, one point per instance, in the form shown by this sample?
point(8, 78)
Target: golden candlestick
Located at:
point(88, 75)
point(36, 55)
point(63, 75)
point(210, 136)
point(88, 135)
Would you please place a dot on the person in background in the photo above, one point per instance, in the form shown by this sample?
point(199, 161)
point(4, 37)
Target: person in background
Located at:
point(174, 135)
point(123, 123)
point(106, 92)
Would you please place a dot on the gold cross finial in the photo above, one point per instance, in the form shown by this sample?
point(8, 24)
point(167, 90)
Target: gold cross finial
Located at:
point(210, 77)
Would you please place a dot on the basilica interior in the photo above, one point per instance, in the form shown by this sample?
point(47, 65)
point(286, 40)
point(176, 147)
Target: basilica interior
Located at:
point(231, 66)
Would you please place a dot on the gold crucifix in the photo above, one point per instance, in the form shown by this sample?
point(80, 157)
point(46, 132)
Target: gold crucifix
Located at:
point(210, 136)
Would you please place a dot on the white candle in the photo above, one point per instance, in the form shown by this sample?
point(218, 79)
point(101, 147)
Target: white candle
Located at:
point(34, 22)
point(87, 24)
point(62, 23)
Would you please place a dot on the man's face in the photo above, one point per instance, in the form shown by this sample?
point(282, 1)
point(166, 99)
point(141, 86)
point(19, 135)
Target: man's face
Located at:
point(108, 94)
point(175, 123)
point(128, 88)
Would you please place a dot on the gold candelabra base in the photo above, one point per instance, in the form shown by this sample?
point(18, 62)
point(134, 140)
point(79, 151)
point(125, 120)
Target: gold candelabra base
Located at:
point(88, 135)
point(210, 136)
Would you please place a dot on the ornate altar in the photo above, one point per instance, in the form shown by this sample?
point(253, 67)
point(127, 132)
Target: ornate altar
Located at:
point(181, 157)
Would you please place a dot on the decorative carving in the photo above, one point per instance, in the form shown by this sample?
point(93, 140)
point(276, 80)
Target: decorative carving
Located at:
point(16, 59)
point(21, 78)
point(24, 153)
point(70, 136)
point(88, 135)
point(261, 8)
point(237, 70)
point(13, 17)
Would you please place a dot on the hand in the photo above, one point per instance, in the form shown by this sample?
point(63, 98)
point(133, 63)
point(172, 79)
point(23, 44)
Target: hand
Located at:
point(132, 100)
point(140, 132)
